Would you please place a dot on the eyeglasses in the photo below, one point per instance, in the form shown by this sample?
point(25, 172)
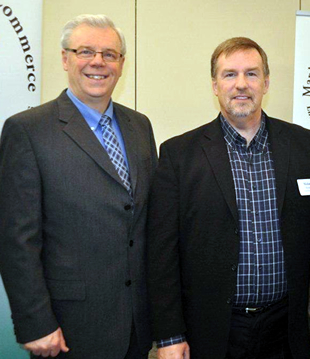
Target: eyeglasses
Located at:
point(89, 54)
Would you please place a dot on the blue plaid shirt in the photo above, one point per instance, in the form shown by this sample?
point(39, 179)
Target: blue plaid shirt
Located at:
point(261, 277)
point(171, 341)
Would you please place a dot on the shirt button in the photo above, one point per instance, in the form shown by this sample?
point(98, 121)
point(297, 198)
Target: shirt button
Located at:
point(127, 207)
point(130, 243)
point(254, 186)
point(259, 240)
point(128, 283)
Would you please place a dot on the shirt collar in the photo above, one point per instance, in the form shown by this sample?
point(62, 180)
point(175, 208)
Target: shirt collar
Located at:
point(233, 138)
point(91, 115)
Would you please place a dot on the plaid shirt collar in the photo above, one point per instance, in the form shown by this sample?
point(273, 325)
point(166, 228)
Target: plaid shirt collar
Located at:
point(234, 139)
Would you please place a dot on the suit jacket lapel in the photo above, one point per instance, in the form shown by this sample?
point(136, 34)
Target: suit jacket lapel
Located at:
point(78, 130)
point(279, 138)
point(214, 146)
point(130, 141)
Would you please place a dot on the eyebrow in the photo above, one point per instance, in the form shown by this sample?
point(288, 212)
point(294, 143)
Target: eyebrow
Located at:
point(93, 48)
point(246, 70)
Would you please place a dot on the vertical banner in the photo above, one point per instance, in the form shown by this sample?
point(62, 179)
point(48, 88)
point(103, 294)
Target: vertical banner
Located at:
point(301, 108)
point(20, 87)
point(20, 56)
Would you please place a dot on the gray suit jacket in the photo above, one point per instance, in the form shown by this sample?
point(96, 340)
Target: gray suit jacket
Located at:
point(72, 252)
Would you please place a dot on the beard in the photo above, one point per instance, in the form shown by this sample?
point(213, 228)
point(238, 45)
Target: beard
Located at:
point(240, 110)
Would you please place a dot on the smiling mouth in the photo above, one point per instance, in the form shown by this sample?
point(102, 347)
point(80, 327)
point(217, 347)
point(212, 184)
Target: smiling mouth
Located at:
point(241, 98)
point(96, 77)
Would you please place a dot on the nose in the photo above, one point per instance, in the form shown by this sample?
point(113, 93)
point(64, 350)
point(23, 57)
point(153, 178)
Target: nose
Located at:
point(98, 60)
point(241, 81)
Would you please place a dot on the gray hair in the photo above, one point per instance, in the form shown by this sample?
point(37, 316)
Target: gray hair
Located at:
point(101, 21)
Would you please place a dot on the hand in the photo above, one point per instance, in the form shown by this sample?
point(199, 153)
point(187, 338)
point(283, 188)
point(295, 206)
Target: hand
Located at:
point(176, 351)
point(47, 346)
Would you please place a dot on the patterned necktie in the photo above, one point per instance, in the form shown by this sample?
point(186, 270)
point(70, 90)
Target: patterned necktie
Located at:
point(114, 151)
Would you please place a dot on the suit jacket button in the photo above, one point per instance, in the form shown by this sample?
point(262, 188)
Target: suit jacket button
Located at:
point(236, 230)
point(228, 301)
point(128, 283)
point(127, 207)
point(233, 267)
point(130, 243)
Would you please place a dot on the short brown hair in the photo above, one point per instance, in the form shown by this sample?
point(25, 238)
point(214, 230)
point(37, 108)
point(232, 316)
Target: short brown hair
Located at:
point(235, 44)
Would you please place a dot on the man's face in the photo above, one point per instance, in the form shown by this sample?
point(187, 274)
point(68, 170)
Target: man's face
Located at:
point(93, 81)
point(240, 84)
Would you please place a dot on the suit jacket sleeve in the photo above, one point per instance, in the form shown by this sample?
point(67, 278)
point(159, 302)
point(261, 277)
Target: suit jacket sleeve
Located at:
point(154, 158)
point(21, 235)
point(163, 251)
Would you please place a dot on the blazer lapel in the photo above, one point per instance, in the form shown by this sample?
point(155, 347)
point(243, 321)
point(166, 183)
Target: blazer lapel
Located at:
point(214, 146)
point(130, 141)
point(78, 130)
point(279, 138)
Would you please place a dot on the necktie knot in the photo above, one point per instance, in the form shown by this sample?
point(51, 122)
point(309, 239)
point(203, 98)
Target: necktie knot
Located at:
point(105, 120)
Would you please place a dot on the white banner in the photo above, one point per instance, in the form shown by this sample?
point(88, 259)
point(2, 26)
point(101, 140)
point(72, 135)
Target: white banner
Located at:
point(301, 109)
point(20, 87)
point(20, 56)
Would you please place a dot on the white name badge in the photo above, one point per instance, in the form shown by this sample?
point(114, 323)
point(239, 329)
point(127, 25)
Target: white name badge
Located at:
point(304, 186)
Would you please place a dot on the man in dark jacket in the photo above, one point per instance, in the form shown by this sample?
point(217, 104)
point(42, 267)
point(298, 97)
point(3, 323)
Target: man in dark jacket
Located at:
point(229, 226)
point(74, 181)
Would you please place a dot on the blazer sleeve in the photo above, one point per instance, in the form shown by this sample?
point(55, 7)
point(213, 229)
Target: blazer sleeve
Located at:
point(154, 158)
point(164, 284)
point(21, 235)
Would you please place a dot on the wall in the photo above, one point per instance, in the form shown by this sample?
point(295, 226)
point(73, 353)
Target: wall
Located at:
point(175, 40)
point(174, 50)
point(305, 5)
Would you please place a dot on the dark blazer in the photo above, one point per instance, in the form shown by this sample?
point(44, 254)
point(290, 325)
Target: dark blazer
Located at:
point(193, 244)
point(72, 252)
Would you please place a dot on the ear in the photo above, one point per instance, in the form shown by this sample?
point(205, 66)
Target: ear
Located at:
point(214, 86)
point(266, 84)
point(64, 58)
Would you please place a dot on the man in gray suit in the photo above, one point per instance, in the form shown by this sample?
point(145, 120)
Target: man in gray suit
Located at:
point(74, 180)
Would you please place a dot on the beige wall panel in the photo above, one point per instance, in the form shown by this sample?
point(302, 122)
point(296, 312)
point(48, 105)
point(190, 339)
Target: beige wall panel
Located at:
point(305, 5)
point(56, 13)
point(175, 43)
